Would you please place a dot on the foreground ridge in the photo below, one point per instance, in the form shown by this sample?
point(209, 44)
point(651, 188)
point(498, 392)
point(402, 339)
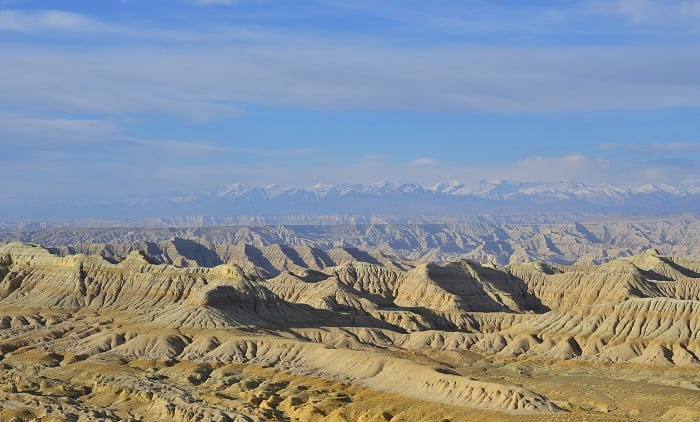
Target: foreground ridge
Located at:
point(447, 333)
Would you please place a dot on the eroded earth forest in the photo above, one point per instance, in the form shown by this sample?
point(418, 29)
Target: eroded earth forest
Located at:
point(189, 329)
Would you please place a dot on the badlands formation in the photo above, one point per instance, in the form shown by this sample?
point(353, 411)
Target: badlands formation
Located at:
point(243, 333)
point(501, 243)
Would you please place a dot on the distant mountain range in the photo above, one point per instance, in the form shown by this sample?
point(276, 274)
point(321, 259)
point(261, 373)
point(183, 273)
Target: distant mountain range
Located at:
point(396, 201)
point(496, 190)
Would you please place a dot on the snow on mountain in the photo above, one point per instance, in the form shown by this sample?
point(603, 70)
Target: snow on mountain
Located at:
point(651, 188)
point(452, 187)
point(501, 190)
point(451, 198)
point(447, 198)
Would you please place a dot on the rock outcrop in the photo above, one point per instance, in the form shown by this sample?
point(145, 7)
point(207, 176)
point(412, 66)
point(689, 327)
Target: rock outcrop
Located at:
point(320, 246)
point(137, 338)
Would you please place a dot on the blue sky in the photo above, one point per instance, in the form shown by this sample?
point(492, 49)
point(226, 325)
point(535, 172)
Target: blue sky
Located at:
point(108, 98)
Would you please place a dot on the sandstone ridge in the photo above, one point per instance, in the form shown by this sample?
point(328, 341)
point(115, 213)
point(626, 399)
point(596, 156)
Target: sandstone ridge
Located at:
point(139, 338)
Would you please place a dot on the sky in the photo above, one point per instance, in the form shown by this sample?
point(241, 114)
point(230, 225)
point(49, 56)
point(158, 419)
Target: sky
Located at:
point(111, 98)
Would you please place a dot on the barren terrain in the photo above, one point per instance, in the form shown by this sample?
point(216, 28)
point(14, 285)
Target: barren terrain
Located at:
point(589, 242)
point(356, 336)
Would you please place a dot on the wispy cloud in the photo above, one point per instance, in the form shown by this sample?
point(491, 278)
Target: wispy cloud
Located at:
point(52, 22)
point(208, 83)
point(220, 68)
point(231, 65)
point(175, 147)
point(163, 165)
point(13, 20)
point(572, 167)
point(669, 147)
point(673, 163)
point(423, 161)
point(373, 158)
point(472, 18)
point(277, 153)
point(33, 130)
point(648, 11)
point(49, 138)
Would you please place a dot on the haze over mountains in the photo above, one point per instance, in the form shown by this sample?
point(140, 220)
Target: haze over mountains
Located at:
point(385, 201)
point(563, 243)
point(491, 320)
point(508, 194)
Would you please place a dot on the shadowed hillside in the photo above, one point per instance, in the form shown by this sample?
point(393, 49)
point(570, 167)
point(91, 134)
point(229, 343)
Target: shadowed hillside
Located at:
point(137, 338)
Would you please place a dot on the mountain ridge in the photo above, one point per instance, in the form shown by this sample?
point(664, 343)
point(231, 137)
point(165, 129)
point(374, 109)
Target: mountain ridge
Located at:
point(564, 243)
point(136, 337)
point(446, 199)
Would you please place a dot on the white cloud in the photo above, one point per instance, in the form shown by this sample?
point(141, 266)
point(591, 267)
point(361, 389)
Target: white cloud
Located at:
point(31, 129)
point(591, 170)
point(219, 67)
point(573, 167)
point(648, 11)
point(57, 21)
point(205, 83)
point(667, 147)
point(671, 147)
point(163, 165)
point(423, 161)
point(52, 140)
point(12, 20)
point(174, 147)
point(456, 18)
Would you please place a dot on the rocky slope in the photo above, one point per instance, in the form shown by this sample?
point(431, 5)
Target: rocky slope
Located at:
point(344, 335)
point(320, 246)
